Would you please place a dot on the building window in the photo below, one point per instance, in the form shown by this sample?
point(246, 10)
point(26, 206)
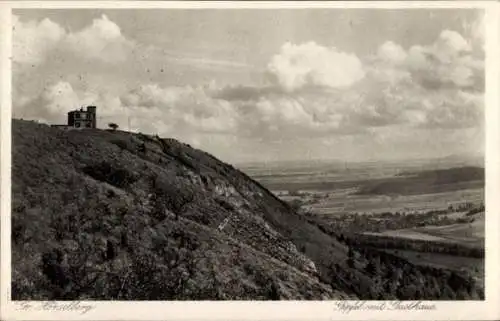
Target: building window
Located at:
point(77, 125)
point(84, 116)
point(87, 125)
point(77, 115)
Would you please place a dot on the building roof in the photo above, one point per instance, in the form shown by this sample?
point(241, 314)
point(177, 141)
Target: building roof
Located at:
point(81, 110)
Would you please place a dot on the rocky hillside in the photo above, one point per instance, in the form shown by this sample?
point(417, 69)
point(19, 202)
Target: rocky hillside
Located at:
point(113, 215)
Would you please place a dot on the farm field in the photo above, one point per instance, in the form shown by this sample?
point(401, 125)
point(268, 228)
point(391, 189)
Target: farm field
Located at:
point(466, 233)
point(331, 175)
point(463, 233)
point(346, 202)
point(411, 234)
point(334, 188)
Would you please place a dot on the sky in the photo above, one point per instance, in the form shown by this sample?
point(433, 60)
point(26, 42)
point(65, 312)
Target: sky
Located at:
point(253, 85)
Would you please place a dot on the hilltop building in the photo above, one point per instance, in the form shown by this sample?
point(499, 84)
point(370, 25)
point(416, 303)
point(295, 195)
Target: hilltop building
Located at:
point(81, 118)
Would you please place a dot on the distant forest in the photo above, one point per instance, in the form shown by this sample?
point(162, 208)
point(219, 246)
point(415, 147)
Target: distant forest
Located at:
point(432, 181)
point(405, 183)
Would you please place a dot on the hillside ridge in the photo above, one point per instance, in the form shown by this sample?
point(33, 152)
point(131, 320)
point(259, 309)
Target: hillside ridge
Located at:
point(165, 189)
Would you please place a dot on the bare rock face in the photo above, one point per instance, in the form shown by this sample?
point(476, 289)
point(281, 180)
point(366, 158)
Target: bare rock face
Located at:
point(160, 213)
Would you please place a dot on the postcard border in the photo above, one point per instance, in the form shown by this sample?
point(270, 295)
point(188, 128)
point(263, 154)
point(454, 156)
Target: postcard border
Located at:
point(286, 310)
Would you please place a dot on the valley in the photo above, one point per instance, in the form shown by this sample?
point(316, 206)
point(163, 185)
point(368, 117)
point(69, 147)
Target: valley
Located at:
point(428, 213)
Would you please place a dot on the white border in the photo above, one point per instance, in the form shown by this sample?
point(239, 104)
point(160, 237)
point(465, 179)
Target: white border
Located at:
point(247, 310)
point(248, 4)
point(5, 154)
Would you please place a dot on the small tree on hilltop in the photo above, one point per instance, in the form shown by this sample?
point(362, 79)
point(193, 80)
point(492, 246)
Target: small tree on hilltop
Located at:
point(113, 126)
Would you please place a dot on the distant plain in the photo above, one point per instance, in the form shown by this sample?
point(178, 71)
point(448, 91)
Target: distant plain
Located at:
point(333, 187)
point(449, 193)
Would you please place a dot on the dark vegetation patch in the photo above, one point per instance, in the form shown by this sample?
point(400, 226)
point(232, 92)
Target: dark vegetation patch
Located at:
point(121, 143)
point(169, 194)
point(390, 242)
point(388, 276)
point(373, 273)
point(428, 182)
point(450, 175)
point(425, 182)
point(111, 174)
point(446, 261)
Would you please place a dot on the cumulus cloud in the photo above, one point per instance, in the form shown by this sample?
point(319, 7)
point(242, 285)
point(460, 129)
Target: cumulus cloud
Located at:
point(318, 93)
point(153, 109)
point(52, 103)
point(34, 42)
point(191, 112)
point(392, 52)
point(310, 64)
point(439, 86)
point(451, 42)
point(446, 63)
point(476, 31)
point(427, 86)
point(102, 40)
point(184, 108)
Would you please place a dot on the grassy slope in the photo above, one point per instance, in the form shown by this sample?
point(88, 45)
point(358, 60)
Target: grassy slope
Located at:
point(76, 192)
